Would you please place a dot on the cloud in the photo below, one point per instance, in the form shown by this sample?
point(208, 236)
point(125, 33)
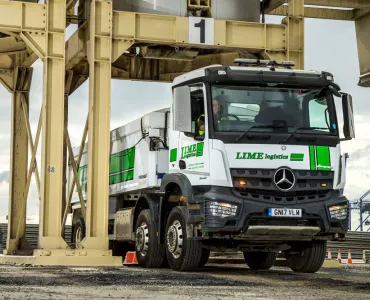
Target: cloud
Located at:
point(4, 177)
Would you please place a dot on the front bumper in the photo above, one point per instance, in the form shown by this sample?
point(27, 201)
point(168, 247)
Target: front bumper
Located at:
point(252, 221)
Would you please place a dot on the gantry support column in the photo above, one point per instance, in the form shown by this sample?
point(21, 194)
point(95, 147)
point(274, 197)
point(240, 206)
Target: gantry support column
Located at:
point(18, 163)
point(363, 45)
point(295, 32)
point(52, 129)
point(100, 60)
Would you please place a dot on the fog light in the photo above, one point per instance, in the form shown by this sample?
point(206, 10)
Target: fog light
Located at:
point(223, 210)
point(339, 212)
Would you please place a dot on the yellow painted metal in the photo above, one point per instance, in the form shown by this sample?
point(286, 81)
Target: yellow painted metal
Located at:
point(361, 4)
point(74, 179)
point(75, 173)
point(171, 30)
point(18, 163)
point(295, 32)
point(22, 16)
point(363, 45)
point(318, 13)
point(22, 217)
point(53, 127)
point(7, 78)
point(133, 28)
point(359, 13)
point(67, 257)
point(33, 166)
point(100, 63)
point(274, 4)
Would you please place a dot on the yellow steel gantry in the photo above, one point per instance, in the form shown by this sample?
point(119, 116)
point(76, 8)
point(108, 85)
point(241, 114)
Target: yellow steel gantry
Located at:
point(104, 47)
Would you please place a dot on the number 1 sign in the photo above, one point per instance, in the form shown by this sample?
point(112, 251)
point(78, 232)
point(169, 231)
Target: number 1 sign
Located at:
point(201, 31)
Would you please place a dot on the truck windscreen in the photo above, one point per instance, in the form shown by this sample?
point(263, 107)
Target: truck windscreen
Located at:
point(238, 109)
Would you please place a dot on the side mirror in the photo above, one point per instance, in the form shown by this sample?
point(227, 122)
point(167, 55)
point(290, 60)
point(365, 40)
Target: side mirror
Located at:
point(349, 124)
point(182, 110)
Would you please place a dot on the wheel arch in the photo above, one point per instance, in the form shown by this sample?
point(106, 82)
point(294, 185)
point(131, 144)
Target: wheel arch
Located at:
point(170, 181)
point(171, 184)
point(151, 202)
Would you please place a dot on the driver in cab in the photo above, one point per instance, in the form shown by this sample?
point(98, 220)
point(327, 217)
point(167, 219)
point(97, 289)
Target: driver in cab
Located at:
point(217, 115)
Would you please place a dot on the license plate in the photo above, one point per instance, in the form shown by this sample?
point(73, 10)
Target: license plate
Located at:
point(285, 212)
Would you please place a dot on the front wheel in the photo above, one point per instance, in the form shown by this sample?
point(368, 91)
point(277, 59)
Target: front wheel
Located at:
point(149, 252)
point(310, 260)
point(182, 254)
point(260, 260)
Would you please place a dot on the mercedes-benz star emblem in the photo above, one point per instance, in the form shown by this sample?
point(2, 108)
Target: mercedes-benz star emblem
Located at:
point(284, 179)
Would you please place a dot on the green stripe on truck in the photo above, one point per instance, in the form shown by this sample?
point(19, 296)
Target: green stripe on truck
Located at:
point(323, 158)
point(312, 158)
point(173, 155)
point(122, 177)
point(122, 161)
point(296, 157)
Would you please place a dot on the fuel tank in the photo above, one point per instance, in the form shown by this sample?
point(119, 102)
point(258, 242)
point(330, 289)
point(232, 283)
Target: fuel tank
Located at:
point(236, 10)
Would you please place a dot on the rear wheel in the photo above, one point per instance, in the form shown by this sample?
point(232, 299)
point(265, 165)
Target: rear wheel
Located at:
point(182, 254)
point(79, 232)
point(149, 252)
point(260, 260)
point(310, 260)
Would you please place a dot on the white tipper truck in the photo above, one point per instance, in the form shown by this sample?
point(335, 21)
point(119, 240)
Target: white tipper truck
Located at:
point(247, 158)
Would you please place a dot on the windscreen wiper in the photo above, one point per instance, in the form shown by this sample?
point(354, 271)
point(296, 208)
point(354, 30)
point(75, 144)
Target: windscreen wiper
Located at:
point(296, 129)
point(259, 126)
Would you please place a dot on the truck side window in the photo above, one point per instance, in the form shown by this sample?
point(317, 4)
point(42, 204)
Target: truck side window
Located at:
point(197, 110)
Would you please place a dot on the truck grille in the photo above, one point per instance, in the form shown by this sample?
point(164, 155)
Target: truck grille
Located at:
point(310, 186)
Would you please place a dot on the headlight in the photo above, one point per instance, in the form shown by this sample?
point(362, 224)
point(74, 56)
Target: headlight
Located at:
point(223, 210)
point(339, 212)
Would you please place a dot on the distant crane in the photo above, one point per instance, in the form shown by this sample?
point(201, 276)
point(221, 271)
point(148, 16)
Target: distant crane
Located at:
point(363, 206)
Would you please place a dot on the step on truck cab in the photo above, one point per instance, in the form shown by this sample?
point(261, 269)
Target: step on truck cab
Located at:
point(247, 158)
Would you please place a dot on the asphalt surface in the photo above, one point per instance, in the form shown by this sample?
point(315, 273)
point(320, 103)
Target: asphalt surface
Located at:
point(212, 282)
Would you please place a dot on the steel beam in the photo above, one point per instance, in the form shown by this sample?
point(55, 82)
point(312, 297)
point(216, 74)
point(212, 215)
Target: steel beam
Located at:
point(18, 163)
point(137, 29)
point(324, 13)
point(295, 24)
point(318, 13)
point(273, 4)
point(100, 64)
point(363, 45)
point(52, 128)
point(134, 28)
point(361, 4)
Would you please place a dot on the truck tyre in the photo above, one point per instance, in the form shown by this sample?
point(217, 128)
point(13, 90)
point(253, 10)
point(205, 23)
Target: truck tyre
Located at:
point(149, 252)
point(260, 260)
point(182, 254)
point(311, 259)
point(79, 232)
point(204, 258)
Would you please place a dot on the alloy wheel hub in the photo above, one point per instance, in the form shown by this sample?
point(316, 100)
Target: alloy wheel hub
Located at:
point(175, 239)
point(142, 238)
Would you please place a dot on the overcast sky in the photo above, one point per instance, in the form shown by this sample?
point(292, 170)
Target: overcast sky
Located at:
point(330, 46)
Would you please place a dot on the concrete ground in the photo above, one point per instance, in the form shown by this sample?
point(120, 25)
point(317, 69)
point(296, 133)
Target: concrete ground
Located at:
point(212, 282)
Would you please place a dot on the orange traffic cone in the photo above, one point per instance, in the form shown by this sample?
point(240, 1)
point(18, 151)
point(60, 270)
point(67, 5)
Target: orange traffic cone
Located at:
point(339, 256)
point(349, 261)
point(131, 258)
point(329, 254)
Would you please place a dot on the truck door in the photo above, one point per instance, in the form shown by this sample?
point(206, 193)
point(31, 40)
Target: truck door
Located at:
point(193, 146)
